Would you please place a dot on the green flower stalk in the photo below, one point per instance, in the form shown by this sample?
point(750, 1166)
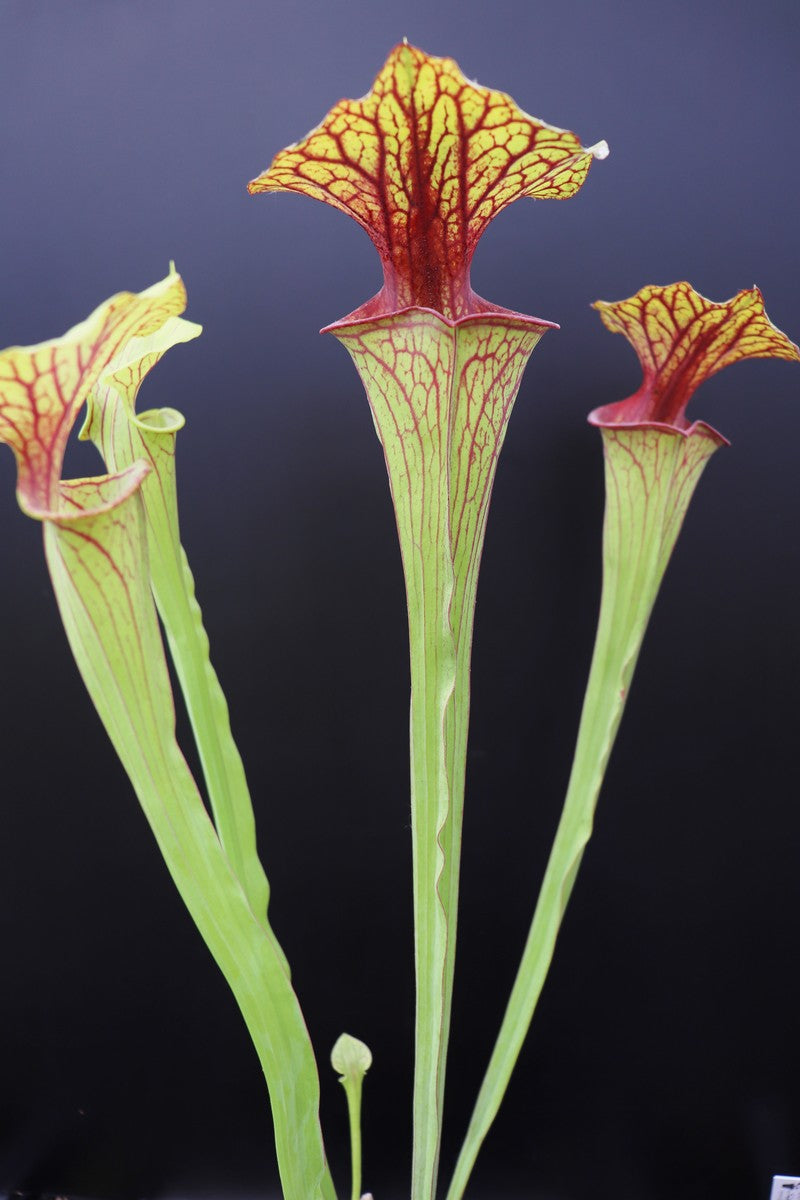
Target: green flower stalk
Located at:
point(352, 1059)
point(423, 163)
point(654, 458)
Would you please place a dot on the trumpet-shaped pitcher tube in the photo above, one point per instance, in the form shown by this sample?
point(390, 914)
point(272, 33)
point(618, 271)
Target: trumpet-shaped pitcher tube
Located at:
point(654, 459)
point(423, 163)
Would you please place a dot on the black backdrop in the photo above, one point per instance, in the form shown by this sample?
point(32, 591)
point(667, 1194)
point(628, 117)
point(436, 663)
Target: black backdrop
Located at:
point(663, 1061)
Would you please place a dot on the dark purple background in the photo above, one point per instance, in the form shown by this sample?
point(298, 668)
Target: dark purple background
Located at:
point(663, 1061)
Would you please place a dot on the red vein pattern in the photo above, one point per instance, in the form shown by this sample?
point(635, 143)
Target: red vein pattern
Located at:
point(441, 396)
point(43, 387)
point(423, 163)
point(682, 339)
point(652, 472)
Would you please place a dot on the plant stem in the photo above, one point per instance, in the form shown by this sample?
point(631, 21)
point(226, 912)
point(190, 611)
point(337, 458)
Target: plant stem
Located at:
point(354, 1113)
